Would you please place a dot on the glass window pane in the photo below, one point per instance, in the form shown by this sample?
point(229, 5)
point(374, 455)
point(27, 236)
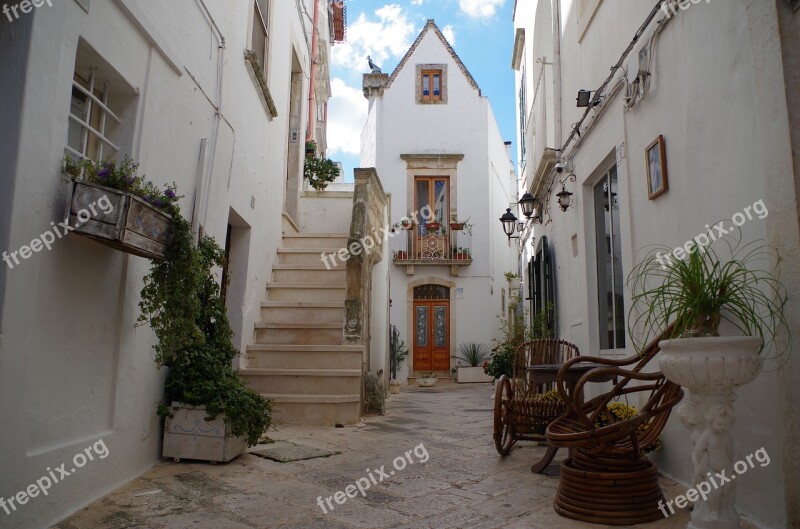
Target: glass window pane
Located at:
point(423, 196)
point(439, 326)
point(426, 84)
point(422, 326)
point(610, 281)
point(440, 200)
point(436, 84)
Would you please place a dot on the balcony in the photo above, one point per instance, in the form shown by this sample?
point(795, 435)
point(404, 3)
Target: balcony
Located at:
point(430, 245)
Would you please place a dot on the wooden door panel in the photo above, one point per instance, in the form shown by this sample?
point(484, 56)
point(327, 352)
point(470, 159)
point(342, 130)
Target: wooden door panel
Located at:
point(422, 344)
point(431, 336)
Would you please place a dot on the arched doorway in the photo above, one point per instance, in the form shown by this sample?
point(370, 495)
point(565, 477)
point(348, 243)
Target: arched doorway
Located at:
point(431, 350)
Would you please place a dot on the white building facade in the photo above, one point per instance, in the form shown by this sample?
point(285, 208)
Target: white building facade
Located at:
point(219, 97)
point(434, 141)
point(710, 83)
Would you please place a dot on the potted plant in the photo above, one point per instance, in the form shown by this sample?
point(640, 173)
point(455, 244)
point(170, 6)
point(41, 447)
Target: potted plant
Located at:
point(401, 254)
point(311, 148)
point(320, 172)
point(405, 223)
point(460, 225)
point(427, 381)
point(433, 225)
point(513, 281)
point(687, 300)
point(474, 355)
point(397, 354)
point(133, 215)
point(209, 412)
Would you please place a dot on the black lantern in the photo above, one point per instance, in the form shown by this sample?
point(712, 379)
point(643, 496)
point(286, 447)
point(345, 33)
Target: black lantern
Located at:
point(584, 97)
point(564, 198)
point(528, 204)
point(509, 221)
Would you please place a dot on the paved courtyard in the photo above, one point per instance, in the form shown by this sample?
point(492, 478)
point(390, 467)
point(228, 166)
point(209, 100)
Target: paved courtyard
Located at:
point(456, 480)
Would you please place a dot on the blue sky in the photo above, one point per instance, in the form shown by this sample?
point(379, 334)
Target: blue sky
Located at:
point(481, 32)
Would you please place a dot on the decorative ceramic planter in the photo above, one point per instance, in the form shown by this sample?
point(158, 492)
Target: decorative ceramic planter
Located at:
point(426, 382)
point(187, 435)
point(468, 375)
point(394, 386)
point(514, 284)
point(711, 368)
point(131, 225)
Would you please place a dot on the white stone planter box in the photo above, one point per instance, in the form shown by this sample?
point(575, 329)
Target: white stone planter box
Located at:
point(466, 375)
point(187, 435)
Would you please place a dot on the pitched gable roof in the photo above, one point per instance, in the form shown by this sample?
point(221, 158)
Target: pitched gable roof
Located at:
point(431, 25)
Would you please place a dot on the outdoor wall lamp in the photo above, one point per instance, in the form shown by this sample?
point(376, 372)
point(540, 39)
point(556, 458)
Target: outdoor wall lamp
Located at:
point(565, 197)
point(509, 221)
point(530, 208)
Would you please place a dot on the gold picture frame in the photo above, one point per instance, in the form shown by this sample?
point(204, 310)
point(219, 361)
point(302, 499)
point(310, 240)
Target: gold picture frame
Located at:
point(655, 158)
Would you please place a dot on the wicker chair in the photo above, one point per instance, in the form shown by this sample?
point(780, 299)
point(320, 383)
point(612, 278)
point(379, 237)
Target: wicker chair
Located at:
point(520, 411)
point(607, 479)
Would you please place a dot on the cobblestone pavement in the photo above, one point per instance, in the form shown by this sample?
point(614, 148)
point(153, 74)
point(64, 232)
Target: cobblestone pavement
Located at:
point(462, 483)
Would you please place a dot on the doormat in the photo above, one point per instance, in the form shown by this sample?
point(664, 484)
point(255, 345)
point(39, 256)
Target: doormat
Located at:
point(285, 452)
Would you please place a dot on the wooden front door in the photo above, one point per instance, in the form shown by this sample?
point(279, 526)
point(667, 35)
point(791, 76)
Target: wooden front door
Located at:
point(431, 328)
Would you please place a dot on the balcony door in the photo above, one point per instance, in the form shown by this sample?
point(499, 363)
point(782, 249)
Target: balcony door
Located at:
point(432, 198)
point(431, 349)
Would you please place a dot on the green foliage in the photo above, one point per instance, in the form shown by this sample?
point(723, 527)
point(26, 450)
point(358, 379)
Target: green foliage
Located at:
point(122, 175)
point(617, 412)
point(320, 172)
point(473, 353)
point(181, 301)
point(398, 352)
point(698, 292)
point(513, 334)
point(510, 275)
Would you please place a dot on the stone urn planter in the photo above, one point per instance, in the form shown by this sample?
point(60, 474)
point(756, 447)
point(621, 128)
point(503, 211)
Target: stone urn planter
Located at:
point(426, 382)
point(187, 435)
point(394, 387)
point(130, 224)
point(468, 375)
point(711, 368)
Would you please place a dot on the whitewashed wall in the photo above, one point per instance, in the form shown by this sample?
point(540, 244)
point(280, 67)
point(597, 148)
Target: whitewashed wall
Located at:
point(718, 97)
point(74, 366)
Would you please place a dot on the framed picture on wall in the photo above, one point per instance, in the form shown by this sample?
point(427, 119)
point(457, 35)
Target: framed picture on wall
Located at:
point(656, 160)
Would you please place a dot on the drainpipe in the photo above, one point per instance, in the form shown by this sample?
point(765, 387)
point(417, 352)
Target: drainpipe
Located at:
point(557, 69)
point(314, 44)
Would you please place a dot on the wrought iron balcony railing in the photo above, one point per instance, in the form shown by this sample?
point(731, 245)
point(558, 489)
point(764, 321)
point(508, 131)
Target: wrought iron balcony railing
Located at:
point(432, 244)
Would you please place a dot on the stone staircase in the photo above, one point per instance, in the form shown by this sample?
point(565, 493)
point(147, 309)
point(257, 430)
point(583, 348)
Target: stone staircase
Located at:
point(298, 360)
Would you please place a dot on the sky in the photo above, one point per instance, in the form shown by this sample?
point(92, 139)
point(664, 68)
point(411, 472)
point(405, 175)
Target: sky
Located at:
point(480, 31)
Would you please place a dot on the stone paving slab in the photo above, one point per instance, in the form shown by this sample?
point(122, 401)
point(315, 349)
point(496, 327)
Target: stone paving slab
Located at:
point(454, 480)
point(284, 452)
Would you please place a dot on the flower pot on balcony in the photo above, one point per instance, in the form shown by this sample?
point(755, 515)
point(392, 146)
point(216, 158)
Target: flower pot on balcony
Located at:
point(187, 435)
point(401, 255)
point(128, 223)
point(456, 226)
point(433, 226)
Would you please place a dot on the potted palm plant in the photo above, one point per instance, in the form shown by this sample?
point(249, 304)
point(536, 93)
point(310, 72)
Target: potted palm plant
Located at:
point(687, 300)
point(473, 355)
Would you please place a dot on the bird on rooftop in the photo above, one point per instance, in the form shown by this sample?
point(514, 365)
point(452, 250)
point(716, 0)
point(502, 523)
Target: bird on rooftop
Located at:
point(374, 67)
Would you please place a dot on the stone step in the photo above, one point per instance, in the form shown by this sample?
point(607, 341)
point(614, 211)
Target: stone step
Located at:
point(304, 356)
point(308, 273)
point(315, 240)
point(299, 333)
point(308, 256)
point(298, 291)
point(303, 381)
point(320, 410)
point(296, 311)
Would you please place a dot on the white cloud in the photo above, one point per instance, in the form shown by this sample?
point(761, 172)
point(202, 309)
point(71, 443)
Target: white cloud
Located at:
point(386, 38)
point(347, 113)
point(480, 8)
point(450, 34)
point(416, 2)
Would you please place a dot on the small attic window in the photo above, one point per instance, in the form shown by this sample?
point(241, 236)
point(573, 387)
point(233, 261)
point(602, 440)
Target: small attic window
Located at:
point(431, 83)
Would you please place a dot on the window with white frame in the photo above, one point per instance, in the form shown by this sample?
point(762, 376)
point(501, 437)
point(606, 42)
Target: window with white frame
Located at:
point(98, 107)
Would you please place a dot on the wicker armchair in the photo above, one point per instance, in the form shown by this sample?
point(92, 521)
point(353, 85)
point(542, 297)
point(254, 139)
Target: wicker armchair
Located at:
point(521, 411)
point(607, 478)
